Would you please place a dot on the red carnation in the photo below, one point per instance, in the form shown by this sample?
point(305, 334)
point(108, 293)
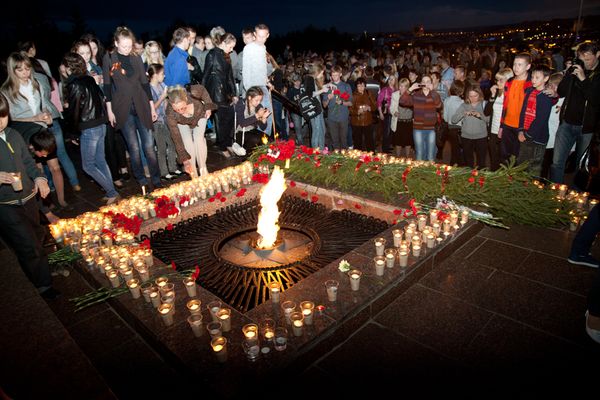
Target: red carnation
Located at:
point(169, 227)
point(314, 199)
point(196, 273)
point(397, 212)
point(211, 200)
point(292, 184)
point(173, 266)
point(304, 194)
point(471, 180)
point(223, 199)
point(357, 206)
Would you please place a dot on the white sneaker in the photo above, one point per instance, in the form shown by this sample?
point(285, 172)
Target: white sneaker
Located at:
point(593, 333)
point(237, 149)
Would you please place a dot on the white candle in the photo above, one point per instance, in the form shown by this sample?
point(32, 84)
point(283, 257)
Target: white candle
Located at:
point(190, 286)
point(166, 312)
point(194, 307)
point(447, 225)
point(436, 228)
point(379, 265)
point(397, 237)
point(113, 277)
point(379, 246)
point(144, 275)
point(155, 297)
point(219, 346)
point(355, 279)
point(422, 222)
point(274, 291)
point(430, 241)
point(390, 258)
point(464, 217)
point(224, 315)
point(403, 257)
point(417, 251)
point(297, 319)
point(433, 216)
point(307, 311)
point(195, 322)
point(332, 289)
point(134, 288)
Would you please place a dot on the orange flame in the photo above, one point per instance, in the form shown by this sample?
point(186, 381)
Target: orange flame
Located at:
point(270, 194)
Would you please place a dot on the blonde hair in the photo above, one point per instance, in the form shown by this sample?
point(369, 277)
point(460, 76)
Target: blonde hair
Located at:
point(177, 93)
point(147, 56)
point(475, 89)
point(506, 74)
point(404, 82)
point(395, 85)
point(314, 70)
point(11, 85)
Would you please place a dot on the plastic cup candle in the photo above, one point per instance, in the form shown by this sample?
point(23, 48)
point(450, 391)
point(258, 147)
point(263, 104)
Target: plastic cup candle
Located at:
point(144, 274)
point(194, 306)
point(219, 346)
point(297, 319)
point(436, 227)
point(430, 241)
point(146, 288)
point(167, 290)
point(267, 327)
point(107, 240)
point(250, 332)
point(148, 259)
point(416, 240)
point(89, 261)
point(161, 281)
point(397, 234)
point(166, 312)
point(190, 286)
point(390, 257)
point(433, 216)
point(379, 246)
point(447, 225)
point(195, 322)
point(453, 217)
point(307, 308)
point(145, 213)
point(224, 316)
point(379, 262)
point(213, 307)
point(580, 203)
point(288, 307)
point(464, 217)
point(281, 336)
point(274, 291)
point(562, 191)
point(416, 250)
point(438, 241)
point(422, 222)
point(134, 288)
point(332, 288)
point(214, 329)
point(113, 277)
point(127, 274)
point(354, 276)
point(155, 297)
point(403, 257)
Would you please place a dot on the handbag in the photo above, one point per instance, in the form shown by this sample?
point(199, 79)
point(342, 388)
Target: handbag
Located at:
point(310, 106)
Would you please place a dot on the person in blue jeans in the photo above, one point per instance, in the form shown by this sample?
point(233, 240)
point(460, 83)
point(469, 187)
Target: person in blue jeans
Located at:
point(580, 255)
point(87, 111)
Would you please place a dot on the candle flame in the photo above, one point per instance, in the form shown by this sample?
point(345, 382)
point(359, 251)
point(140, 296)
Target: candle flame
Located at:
point(270, 194)
point(265, 139)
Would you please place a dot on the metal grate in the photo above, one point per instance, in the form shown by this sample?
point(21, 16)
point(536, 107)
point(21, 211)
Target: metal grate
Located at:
point(200, 241)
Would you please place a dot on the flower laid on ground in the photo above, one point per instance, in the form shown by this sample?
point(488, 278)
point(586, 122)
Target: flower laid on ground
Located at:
point(344, 266)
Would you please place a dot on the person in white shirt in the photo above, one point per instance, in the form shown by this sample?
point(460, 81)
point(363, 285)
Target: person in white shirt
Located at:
point(494, 109)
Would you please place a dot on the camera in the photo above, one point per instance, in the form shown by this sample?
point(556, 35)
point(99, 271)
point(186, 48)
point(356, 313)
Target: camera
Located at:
point(576, 61)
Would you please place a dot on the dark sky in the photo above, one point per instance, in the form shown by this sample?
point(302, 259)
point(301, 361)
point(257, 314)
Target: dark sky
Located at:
point(347, 15)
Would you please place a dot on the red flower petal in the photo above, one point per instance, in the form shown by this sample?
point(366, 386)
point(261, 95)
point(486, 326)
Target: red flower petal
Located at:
point(212, 200)
point(304, 194)
point(292, 184)
point(169, 227)
point(394, 222)
point(223, 199)
point(218, 195)
point(471, 180)
point(314, 199)
point(397, 212)
point(357, 206)
point(173, 266)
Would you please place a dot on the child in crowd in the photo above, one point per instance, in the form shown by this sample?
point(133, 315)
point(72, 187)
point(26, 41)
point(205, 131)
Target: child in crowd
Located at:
point(164, 144)
point(533, 121)
point(473, 127)
point(493, 109)
point(514, 95)
point(553, 121)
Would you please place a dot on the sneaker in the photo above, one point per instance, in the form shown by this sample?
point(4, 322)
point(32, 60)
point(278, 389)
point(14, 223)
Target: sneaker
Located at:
point(239, 150)
point(593, 333)
point(50, 294)
point(169, 177)
point(586, 260)
point(177, 172)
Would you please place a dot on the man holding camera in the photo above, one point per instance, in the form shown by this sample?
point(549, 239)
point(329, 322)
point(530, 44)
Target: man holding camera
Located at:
point(580, 110)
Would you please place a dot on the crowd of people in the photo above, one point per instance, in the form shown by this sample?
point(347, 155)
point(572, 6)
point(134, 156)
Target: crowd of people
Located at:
point(138, 108)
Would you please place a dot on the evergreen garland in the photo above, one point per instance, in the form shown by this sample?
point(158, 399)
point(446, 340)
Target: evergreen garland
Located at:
point(509, 194)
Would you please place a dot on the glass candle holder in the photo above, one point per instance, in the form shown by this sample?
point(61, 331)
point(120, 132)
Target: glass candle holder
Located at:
point(433, 216)
point(354, 276)
point(250, 332)
point(267, 329)
point(224, 316)
point(464, 217)
point(390, 257)
point(281, 338)
point(274, 291)
point(168, 289)
point(194, 306)
point(195, 321)
point(379, 262)
point(148, 259)
point(430, 241)
point(134, 288)
point(113, 277)
point(416, 250)
point(332, 288)
point(436, 229)
point(297, 319)
point(454, 217)
point(379, 246)
point(161, 281)
point(190, 286)
point(166, 312)
point(143, 272)
point(155, 297)
point(219, 347)
point(214, 329)
point(307, 309)
point(127, 274)
point(446, 225)
point(397, 235)
point(146, 288)
point(213, 307)
point(421, 222)
point(403, 258)
point(288, 307)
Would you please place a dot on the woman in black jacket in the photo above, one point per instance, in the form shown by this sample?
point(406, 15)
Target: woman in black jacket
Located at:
point(218, 81)
point(87, 112)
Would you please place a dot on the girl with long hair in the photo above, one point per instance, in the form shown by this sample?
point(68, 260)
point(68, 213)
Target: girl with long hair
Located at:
point(314, 86)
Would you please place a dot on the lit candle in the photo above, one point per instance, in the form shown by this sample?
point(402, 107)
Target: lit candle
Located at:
point(574, 224)
point(354, 279)
point(447, 225)
point(436, 227)
point(213, 307)
point(422, 222)
point(390, 257)
point(224, 316)
point(146, 290)
point(134, 288)
point(430, 241)
point(416, 250)
point(267, 327)
point(403, 257)
point(592, 204)
point(397, 233)
point(332, 289)
point(297, 319)
point(464, 217)
point(127, 273)
point(148, 259)
point(90, 262)
point(562, 191)
point(107, 240)
point(287, 163)
point(379, 265)
point(190, 286)
point(379, 246)
point(145, 213)
point(307, 310)
point(219, 346)
point(288, 307)
point(166, 312)
point(453, 217)
point(144, 274)
point(580, 203)
point(433, 216)
point(161, 281)
point(250, 332)
point(274, 291)
point(113, 277)
point(194, 306)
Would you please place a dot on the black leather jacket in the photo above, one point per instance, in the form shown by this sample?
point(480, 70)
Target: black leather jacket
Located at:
point(218, 77)
point(85, 102)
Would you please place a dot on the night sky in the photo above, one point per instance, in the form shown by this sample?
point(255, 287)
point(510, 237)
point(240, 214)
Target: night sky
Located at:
point(347, 15)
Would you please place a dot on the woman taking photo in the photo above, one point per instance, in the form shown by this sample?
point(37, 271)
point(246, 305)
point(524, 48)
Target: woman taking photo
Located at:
point(84, 49)
point(186, 116)
point(473, 127)
point(87, 112)
point(30, 110)
point(129, 104)
point(425, 103)
point(218, 81)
